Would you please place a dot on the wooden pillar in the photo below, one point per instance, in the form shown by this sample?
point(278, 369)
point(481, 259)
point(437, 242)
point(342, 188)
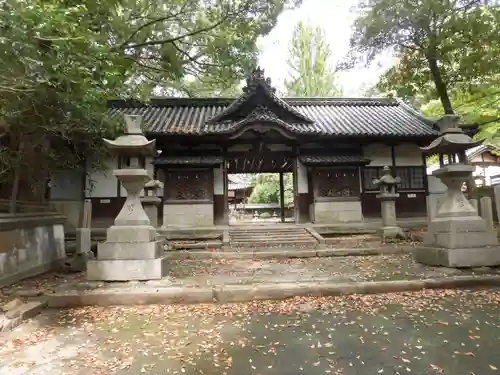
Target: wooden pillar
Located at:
point(220, 195)
point(282, 198)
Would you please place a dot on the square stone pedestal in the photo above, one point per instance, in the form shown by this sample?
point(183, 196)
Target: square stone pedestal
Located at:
point(459, 242)
point(458, 258)
point(129, 253)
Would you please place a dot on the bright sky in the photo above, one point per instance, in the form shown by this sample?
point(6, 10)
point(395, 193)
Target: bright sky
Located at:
point(336, 18)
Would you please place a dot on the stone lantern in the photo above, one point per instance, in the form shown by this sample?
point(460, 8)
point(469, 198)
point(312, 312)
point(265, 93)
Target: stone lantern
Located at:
point(151, 201)
point(387, 184)
point(456, 236)
point(131, 251)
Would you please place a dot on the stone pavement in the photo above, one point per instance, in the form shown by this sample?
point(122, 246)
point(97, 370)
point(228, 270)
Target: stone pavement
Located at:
point(203, 275)
point(427, 332)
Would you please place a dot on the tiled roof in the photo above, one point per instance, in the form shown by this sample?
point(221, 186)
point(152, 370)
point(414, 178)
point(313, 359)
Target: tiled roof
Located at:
point(188, 160)
point(330, 116)
point(333, 159)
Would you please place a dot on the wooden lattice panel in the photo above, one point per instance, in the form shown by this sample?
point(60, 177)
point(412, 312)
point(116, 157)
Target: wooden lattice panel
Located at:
point(189, 185)
point(336, 182)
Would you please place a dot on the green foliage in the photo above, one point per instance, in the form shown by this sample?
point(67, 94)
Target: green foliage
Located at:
point(60, 60)
point(439, 44)
point(480, 105)
point(267, 189)
point(312, 75)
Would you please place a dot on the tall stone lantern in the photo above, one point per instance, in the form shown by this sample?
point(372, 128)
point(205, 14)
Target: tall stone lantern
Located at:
point(387, 196)
point(456, 236)
point(131, 251)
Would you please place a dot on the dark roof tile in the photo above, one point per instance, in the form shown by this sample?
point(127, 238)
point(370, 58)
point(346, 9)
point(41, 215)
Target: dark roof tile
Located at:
point(188, 160)
point(333, 159)
point(331, 116)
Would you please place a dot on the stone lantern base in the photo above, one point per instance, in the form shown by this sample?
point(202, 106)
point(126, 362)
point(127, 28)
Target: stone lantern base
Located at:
point(457, 236)
point(459, 242)
point(129, 253)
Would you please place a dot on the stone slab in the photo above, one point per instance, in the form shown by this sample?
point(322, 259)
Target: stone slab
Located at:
point(126, 270)
point(23, 312)
point(249, 253)
point(464, 257)
point(129, 250)
point(131, 233)
point(459, 232)
point(151, 296)
point(392, 232)
point(265, 291)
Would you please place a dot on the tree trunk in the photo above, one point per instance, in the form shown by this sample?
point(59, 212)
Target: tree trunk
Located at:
point(440, 84)
point(14, 192)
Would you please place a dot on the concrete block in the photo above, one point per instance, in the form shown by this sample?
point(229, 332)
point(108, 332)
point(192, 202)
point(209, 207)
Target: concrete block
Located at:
point(331, 212)
point(487, 211)
point(129, 250)
point(131, 233)
point(473, 203)
point(188, 215)
point(83, 240)
point(126, 270)
point(464, 257)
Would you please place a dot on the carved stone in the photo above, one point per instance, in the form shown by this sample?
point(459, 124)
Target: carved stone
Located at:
point(387, 184)
point(151, 201)
point(131, 251)
point(456, 236)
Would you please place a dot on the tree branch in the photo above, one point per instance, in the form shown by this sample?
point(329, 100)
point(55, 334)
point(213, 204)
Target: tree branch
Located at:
point(191, 58)
point(174, 39)
point(150, 23)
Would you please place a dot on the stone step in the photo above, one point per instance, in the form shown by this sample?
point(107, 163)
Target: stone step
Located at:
point(257, 235)
point(287, 243)
point(197, 245)
point(264, 230)
point(273, 237)
point(268, 230)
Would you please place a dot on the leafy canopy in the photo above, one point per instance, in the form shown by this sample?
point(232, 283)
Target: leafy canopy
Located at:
point(60, 60)
point(439, 43)
point(309, 56)
point(266, 189)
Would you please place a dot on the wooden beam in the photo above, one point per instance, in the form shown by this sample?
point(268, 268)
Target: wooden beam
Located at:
point(282, 198)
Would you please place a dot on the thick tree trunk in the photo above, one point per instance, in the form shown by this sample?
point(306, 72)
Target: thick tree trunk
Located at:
point(440, 84)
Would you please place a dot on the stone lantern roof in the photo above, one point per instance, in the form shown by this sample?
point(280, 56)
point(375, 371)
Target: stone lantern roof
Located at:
point(133, 143)
point(451, 138)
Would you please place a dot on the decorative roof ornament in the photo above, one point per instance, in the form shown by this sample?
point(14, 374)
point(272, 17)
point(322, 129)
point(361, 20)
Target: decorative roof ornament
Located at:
point(451, 138)
point(255, 78)
point(265, 96)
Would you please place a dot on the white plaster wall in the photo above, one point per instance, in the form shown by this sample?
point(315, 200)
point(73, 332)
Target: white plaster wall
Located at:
point(378, 153)
point(102, 184)
point(188, 215)
point(487, 173)
point(302, 184)
point(329, 212)
point(408, 154)
point(218, 181)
